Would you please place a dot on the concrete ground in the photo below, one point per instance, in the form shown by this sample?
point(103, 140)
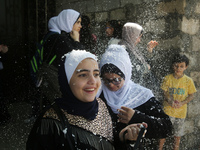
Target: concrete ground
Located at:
point(13, 135)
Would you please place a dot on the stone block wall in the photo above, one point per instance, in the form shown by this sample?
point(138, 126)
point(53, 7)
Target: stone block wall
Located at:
point(175, 24)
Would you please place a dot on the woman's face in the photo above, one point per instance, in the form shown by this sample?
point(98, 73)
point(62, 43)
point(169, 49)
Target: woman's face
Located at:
point(109, 30)
point(138, 39)
point(77, 26)
point(85, 80)
point(113, 81)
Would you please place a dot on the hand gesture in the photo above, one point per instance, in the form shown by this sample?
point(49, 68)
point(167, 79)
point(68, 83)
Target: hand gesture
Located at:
point(131, 132)
point(75, 35)
point(177, 104)
point(125, 114)
point(151, 45)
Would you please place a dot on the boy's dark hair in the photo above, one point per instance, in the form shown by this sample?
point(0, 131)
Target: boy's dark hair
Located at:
point(116, 24)
point(179, 58)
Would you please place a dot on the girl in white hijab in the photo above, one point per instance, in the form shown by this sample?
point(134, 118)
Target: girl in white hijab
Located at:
point(129, 102)
point(130, 94)
point(64, 21)
point(63, 37)
point(68, 25)
point(131, 36)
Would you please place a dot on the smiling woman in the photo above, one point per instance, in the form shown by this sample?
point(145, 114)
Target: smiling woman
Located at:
point(129, 102)
point(85, 82)
point(87, 116)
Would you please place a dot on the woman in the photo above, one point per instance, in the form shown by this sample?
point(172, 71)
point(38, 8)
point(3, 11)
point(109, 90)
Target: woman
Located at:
point(89, 123)
point(114, 31)
point(131, 36)
point(129, 102)
point(68, 25)
point(63, 36)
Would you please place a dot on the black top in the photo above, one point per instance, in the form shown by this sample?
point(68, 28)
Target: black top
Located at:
point(151, 112)
point(59, 44)
point(47, 134)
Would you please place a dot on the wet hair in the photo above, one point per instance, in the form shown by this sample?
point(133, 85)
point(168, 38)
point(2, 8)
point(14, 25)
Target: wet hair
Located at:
point(117, 28)
point(85, 20)
point(85, 33)
point(179, 58)
point(110, 68)
point(77, 18)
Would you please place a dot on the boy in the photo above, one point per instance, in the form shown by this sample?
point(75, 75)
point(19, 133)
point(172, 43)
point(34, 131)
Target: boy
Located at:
point(178, 90)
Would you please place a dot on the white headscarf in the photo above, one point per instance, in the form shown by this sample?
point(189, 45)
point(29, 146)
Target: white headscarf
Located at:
point(52, 25)
point(130, 95)
point(64, 21)
point(130, 33)
point(74, 58)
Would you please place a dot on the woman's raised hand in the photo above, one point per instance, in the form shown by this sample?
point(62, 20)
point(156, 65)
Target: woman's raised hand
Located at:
point(125, 114)
point(151, 45)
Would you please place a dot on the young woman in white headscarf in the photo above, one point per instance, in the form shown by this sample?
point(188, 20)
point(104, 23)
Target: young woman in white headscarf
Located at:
point(127, 101)
point(141, 73)
point(77, 120)
point(68, 25)
point(63, 37)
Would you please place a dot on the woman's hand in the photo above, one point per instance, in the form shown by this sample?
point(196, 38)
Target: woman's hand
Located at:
point(75, 35)
point(132, 132)
point(151, 45)
point(125, 114)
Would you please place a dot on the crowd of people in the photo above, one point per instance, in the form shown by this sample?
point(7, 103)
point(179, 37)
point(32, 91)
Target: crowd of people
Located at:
point(102, 104)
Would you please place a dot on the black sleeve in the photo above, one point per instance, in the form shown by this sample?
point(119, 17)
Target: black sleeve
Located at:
point(151, 112)
point(46, 134)
point(66, 44)
point(117, 127)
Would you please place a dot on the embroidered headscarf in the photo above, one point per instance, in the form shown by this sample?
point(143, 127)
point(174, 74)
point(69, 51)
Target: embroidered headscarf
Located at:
point(68, 101)
point(130, 33)
point(130, 94)
point(64, 21)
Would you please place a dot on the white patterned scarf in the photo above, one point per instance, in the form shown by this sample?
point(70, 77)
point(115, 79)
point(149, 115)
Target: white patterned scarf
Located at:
point(130, 95)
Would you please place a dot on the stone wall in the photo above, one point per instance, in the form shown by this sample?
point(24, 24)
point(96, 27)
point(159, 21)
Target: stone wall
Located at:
point(173, 23)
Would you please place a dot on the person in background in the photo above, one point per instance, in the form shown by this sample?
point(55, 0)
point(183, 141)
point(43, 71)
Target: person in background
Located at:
point(114, 31)
point(4, 114)
point(88, 39)
point(66, 36)
point(178, 91)
point(87, 122)
point(141, 73)
point(129, 102)
point(68, 25)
